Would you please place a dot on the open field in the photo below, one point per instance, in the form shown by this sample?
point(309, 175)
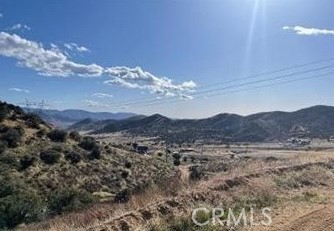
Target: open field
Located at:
point(297, 184)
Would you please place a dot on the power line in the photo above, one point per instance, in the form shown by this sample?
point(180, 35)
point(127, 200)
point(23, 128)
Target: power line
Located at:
point(137, 102)
point(258, 87)
point(199, 93)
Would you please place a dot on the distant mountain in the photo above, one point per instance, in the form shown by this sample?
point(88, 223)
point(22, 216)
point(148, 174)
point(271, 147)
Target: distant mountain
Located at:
point(317, 121)
point(66, 118)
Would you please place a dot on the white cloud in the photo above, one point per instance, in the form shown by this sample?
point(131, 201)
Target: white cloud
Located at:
point(49, 62)
point(102, 95)
point(96, 104)
point(20, 26)
point(308, 31)
point(76, 47)
point(140, 79)
point(55, 62)
point(1, 15)
point(19, 90)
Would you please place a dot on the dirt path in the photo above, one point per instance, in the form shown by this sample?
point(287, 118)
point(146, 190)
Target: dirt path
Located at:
point(318, 220)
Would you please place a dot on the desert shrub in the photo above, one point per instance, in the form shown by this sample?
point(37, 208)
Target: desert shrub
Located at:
point(88, 143)
point(20, 208)
point(27, 161)
point(67, 199)
point(160, 154)
point(74, 135)
point(58, 135)
point(125, 173)
point(196, 173)
point(176, 162)
point(18, 203)
point(9, 159)
point(128, 164)
point(33, 121)
point(12, 136)
point(50, 156)
point(42, 132)
point(73, 157)
point(185, 159)
point(122, 196)
point(177, 156)
point(3, 146)
point(95, 153)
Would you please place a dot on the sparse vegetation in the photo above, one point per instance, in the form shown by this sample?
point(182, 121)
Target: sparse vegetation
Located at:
point(50, 156)
point(57, 135)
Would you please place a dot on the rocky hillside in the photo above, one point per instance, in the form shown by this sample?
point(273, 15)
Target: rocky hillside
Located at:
point(317, 121)
point(45, 171)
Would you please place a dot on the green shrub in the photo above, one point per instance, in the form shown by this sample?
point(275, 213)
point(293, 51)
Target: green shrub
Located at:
point(27, 161)
point(42, 132)
point(50, 156)
point(96, 153)
point(73, 157)
point(122, 196)
point(67, 199)
point(13, 137)
point(33, 121)
point(20, 208)
point(88, 143)
point(3, 146)
point(9, 159)
point(58, 135)
point(176, 162)
point(128, 164)
point(125, 173)
point(74, 135)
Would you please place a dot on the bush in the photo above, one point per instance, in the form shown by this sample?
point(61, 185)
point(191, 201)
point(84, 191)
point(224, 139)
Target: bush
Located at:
point(27, 161)
point(128, 164)
point(123, 196)
point(75, 136)
point(67, 199)
point(177, 156)
point(12, 137)
point(125, 173)
point(96, 153)
point(3, 146)
point(177, 162)
point(58, 135)
point(33, 121)
point(88, 143)
point(23, 207)
point(73, 157)
point(50, 156)
point(42, 132)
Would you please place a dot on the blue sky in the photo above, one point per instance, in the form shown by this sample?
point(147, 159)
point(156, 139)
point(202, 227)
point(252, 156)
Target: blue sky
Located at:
point(118, 55)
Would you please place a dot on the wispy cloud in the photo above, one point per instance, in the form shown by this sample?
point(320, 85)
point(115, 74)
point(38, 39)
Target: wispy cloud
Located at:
point(76, 47)
point(95, 104)
point(1, 15)
point(19, 26)
point(49, 62)
point(19, 90)
point(308, 31)
point(102, 95)
point(141, 79)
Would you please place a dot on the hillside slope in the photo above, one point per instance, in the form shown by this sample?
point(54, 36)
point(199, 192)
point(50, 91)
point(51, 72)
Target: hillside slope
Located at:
point(44, 172)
